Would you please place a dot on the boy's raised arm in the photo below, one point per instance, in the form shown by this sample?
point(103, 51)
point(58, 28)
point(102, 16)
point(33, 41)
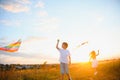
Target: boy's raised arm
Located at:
point(57, 44)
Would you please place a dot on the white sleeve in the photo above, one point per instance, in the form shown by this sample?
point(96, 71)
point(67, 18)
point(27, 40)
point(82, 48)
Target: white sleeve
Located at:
point(59, 50)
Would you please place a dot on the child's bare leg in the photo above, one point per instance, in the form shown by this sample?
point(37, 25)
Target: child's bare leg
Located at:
point(95, 71)
point(68, 75)
point(62, 76)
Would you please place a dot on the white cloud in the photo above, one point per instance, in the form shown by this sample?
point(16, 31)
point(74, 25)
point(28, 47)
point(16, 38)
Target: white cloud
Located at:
point(43, 13)
point(47, 25)
point(10, 23)
point(32, 45)
point(99, 18)
point(40, 5)
point(33, 59)
point(7, 59)
point(15, 6)
point(50, 20)
point(3, 41)
point(24, 1)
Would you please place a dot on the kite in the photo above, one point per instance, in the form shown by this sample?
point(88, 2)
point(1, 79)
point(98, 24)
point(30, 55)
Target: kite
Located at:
point(13, 47)
point(82, 44)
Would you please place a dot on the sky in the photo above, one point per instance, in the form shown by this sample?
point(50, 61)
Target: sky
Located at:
point(39, 23)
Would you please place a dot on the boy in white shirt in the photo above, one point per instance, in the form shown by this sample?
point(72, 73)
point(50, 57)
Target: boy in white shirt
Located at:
point(64, 59)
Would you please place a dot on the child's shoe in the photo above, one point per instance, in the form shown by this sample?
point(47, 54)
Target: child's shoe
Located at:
point(70, 79)
point(95, 73)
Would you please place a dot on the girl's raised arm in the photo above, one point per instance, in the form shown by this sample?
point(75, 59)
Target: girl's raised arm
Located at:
point(97, 53)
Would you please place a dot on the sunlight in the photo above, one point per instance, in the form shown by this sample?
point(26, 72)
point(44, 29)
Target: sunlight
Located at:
point(82, 58)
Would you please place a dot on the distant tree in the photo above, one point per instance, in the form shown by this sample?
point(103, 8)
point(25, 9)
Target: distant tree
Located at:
point(45, 63)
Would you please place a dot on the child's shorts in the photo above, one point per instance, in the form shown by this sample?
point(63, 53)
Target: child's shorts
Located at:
point(94, 63)
point(64, 68)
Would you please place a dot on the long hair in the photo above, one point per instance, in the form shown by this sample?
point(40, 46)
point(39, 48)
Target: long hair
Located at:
point(93, 54)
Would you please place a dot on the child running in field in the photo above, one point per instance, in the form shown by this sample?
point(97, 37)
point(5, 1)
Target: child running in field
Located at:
point(94, 60)
point(64, 59)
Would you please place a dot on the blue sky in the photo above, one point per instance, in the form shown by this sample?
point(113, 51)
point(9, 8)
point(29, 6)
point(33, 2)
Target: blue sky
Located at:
point(39, 23)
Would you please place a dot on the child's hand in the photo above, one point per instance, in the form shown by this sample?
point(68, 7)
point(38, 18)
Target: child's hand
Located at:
point(98, 51)
point(58, 40)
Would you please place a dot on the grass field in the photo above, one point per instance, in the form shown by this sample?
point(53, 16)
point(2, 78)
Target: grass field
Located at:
point(107, 70)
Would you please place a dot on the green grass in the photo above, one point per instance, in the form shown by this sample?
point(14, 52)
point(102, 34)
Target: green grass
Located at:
point(107, 70)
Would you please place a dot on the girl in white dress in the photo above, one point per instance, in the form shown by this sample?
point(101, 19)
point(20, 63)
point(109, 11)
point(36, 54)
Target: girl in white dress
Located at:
point(94, 60)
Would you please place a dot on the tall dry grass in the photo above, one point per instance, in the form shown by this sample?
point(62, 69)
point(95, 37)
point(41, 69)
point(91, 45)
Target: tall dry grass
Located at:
point(107, 70)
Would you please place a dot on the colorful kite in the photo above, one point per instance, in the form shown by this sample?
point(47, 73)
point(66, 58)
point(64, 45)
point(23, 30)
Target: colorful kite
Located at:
point(13, 47)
